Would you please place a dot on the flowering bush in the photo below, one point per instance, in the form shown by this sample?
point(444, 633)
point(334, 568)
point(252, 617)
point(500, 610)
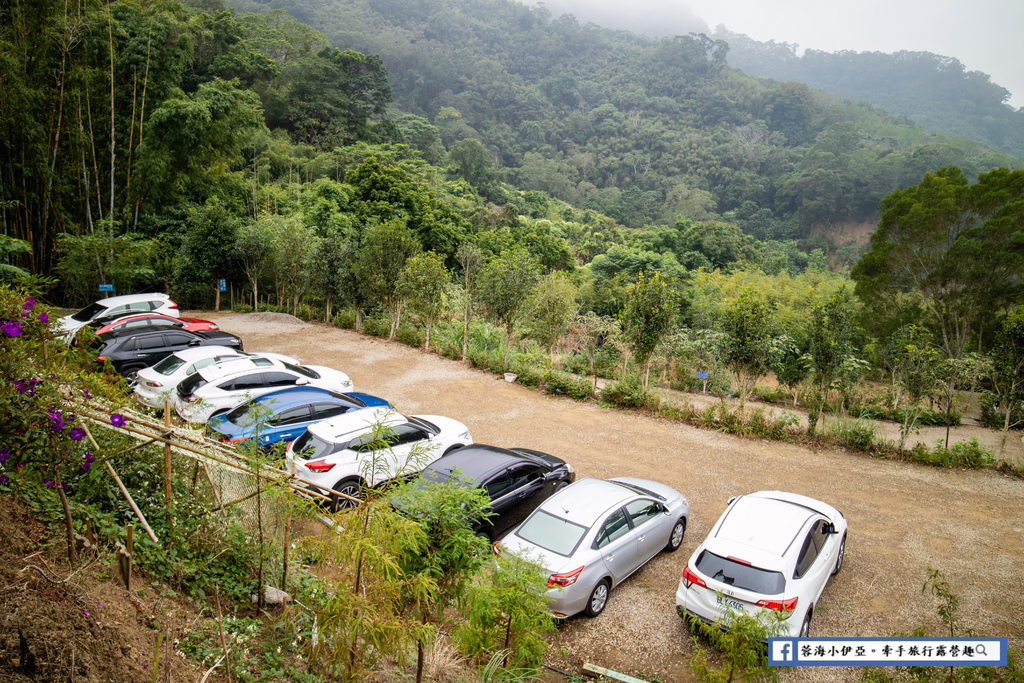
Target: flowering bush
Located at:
point(41, 437)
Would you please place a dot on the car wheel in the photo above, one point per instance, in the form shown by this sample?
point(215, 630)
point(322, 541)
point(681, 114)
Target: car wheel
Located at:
point(131, 376)
point(560, 485)
point(805, 628)
point(350, 487)
point(598, 598)
point(840, 556)
point(676, 538)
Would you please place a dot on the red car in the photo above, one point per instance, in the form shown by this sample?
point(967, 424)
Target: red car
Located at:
point(148, 320)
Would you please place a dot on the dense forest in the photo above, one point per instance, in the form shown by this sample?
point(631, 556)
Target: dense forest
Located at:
point(935, 92)
point(348, 162)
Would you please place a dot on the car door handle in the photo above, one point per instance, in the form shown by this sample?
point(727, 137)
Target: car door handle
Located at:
point(610, 557)
point(642, 537)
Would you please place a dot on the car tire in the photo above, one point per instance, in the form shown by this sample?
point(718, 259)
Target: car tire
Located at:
point(131, 375)
point(598, 598)
point(840, 556)
point(805, 628)
point(675, 539)
point(559, 486)
point(350, 486)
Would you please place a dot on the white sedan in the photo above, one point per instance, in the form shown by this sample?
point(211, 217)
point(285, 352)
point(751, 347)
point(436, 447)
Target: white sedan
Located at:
point(769, 551)
point(218, 388)
point(372, 446)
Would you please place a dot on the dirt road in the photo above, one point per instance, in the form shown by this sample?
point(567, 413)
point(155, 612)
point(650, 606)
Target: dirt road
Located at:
point(903, 518)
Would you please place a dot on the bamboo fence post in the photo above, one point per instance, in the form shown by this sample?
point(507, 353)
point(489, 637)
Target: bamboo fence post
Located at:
point(220, 627)
point(168, 489)
point(131, 501)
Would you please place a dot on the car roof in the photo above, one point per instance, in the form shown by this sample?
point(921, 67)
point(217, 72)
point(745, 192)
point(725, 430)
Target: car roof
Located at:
point(344, 427)
point(769, 524)
point(588, 500)
point(232, 366)
point(112, 301)
point(479, 461)
point(143, 332)
point(192, 353)
point(290, 396)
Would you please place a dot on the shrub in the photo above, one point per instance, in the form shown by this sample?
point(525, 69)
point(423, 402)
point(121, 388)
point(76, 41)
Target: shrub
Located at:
point(378, 326)
point(411, 336)
point(858, 433)
point(994, 418)
point(560, 383)
point(242, 308)
point(345, 318)
point(970, 454)
point(628, 392)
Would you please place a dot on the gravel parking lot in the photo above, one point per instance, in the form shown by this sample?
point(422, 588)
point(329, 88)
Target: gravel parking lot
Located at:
point(904, 519)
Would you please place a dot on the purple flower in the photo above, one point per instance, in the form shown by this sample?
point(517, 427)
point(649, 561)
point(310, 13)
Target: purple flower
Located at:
point(85, 392)
point(11, 328)
point(44, 317)
point(49, 484)
point(20, 386)
point(4, 479)
point(29, 303)
point(117, 419)
point(77, 434)
point(5, 455)
point(55, 418)
point(89, 460)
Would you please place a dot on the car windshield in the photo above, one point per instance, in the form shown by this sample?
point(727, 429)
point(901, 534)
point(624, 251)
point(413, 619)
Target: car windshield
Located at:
point(168, 365)
point(741, 575)
point(552, 533)
point(88, 313)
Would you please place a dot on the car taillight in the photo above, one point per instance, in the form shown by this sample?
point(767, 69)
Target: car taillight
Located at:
point(171, 304)
point(496, 547)
point(225, 439)
point(778, 605)
point(690, 578)
point(151, 383)
point(320, 466)
point(566, 579)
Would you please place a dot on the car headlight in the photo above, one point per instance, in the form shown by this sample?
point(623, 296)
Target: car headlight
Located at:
point(569, 468)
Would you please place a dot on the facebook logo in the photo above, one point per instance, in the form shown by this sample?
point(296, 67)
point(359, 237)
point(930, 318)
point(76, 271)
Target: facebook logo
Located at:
point(782, 650)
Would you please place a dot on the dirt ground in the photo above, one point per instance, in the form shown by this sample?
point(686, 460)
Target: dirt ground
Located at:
point(904, 518)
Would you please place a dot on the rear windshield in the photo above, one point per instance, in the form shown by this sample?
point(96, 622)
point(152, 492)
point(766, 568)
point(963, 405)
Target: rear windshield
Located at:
point(309, 447)
point(168, 365)
point(739, 575)
point(88, 313)
point(188, 386)
point(302, 370)
point(242, 415)
point(552, 533)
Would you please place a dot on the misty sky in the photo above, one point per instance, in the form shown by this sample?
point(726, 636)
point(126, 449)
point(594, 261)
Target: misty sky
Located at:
point(982, 34)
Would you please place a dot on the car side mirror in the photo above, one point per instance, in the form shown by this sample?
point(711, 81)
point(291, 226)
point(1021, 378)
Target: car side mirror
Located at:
point(828, 528)
point(729, 502)
point(193, 342)
point(301, 381)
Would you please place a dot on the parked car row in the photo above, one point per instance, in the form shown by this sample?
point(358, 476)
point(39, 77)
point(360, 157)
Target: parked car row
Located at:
point(769, 551)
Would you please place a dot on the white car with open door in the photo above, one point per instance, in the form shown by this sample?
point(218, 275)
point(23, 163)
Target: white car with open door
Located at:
point(769, 551)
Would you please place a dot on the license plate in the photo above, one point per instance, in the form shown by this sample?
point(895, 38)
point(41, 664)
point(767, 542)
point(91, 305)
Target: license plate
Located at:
point(730, 603)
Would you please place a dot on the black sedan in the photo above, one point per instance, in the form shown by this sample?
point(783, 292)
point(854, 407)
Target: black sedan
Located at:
point(517, 481)
point(131, 350)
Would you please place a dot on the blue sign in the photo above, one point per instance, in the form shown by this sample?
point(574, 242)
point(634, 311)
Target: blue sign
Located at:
point(223, 285)
point(106, 288)
point(701, 374)
point(887, 651)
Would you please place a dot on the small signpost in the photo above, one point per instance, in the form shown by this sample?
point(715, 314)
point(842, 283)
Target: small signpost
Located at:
point(703, 375)
point(223, 285)
point(106, 288)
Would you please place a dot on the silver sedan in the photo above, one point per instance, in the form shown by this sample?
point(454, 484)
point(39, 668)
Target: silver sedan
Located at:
point(593, 534)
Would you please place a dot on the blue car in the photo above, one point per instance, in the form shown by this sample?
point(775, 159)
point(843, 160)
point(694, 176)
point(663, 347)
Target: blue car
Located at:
point(288, 413)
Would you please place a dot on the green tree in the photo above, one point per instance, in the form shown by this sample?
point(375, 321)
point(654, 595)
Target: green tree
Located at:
point(254, 248)
point(1008, 367)
point(205, 255)
point(754, 344)
point(956, 248)
point(326, 269)
point(387, 247)
point(647, 318)
point(425, 281)
point(471, 259)
point(914, 363)
point(590, 330)
point(552, 307)
point(830, 351)
point(505, 286)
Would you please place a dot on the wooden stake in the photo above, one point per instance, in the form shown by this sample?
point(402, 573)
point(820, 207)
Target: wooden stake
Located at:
point(287, 539)
point(168, 491)
point(220, 627)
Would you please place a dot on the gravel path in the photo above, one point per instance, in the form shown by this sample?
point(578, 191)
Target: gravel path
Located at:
point(904, 519)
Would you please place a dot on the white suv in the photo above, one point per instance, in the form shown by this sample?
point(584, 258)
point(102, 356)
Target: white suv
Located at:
point(371, 446)
point(117, 306)
point(769, 551)
point(219, 388)
point(156, 384)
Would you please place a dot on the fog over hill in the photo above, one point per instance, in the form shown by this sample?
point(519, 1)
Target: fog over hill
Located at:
point(982, 37)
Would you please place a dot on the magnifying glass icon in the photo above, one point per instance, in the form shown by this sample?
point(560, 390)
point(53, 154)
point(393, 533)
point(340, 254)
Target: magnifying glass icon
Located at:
point(980, 649)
